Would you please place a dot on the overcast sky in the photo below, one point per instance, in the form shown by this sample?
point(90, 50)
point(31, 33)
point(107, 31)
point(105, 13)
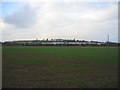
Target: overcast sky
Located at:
point(59, 20)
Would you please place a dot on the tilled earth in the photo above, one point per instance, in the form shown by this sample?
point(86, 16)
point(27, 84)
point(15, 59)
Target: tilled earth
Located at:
point(59, 74)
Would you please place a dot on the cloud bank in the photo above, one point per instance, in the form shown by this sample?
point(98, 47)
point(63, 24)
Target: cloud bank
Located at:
point(66, 20)
point(23, 18)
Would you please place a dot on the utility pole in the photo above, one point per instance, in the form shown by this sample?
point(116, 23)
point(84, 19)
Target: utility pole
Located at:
point(108, 40)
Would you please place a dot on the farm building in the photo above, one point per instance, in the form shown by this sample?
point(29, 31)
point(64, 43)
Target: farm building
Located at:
point(50, 43)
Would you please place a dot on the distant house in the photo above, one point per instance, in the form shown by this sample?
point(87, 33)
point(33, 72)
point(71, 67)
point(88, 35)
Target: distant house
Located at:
point(79, 43)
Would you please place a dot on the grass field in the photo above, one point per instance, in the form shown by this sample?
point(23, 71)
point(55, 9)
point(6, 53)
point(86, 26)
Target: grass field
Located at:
point(60, 67)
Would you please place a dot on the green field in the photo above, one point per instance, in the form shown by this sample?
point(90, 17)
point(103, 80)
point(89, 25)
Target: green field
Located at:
point(60, 67)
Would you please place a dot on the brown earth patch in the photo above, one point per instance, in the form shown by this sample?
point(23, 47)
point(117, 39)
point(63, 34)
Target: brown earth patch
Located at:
point(63, 61)
point(47, 76)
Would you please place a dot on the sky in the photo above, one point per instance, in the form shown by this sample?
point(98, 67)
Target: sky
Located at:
point(59, 20)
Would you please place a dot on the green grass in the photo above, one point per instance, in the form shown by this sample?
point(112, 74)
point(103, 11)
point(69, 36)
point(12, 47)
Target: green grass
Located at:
point(61, 67)
point(93, 54)
point(32, 61)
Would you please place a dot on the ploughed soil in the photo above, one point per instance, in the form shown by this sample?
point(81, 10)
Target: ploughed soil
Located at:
point(62, 73)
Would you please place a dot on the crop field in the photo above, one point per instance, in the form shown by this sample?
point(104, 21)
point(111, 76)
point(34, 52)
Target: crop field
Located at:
point(59, 67)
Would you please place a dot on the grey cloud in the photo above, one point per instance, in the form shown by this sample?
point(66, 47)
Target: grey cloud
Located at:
point(23, 18)
point(59, 21)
